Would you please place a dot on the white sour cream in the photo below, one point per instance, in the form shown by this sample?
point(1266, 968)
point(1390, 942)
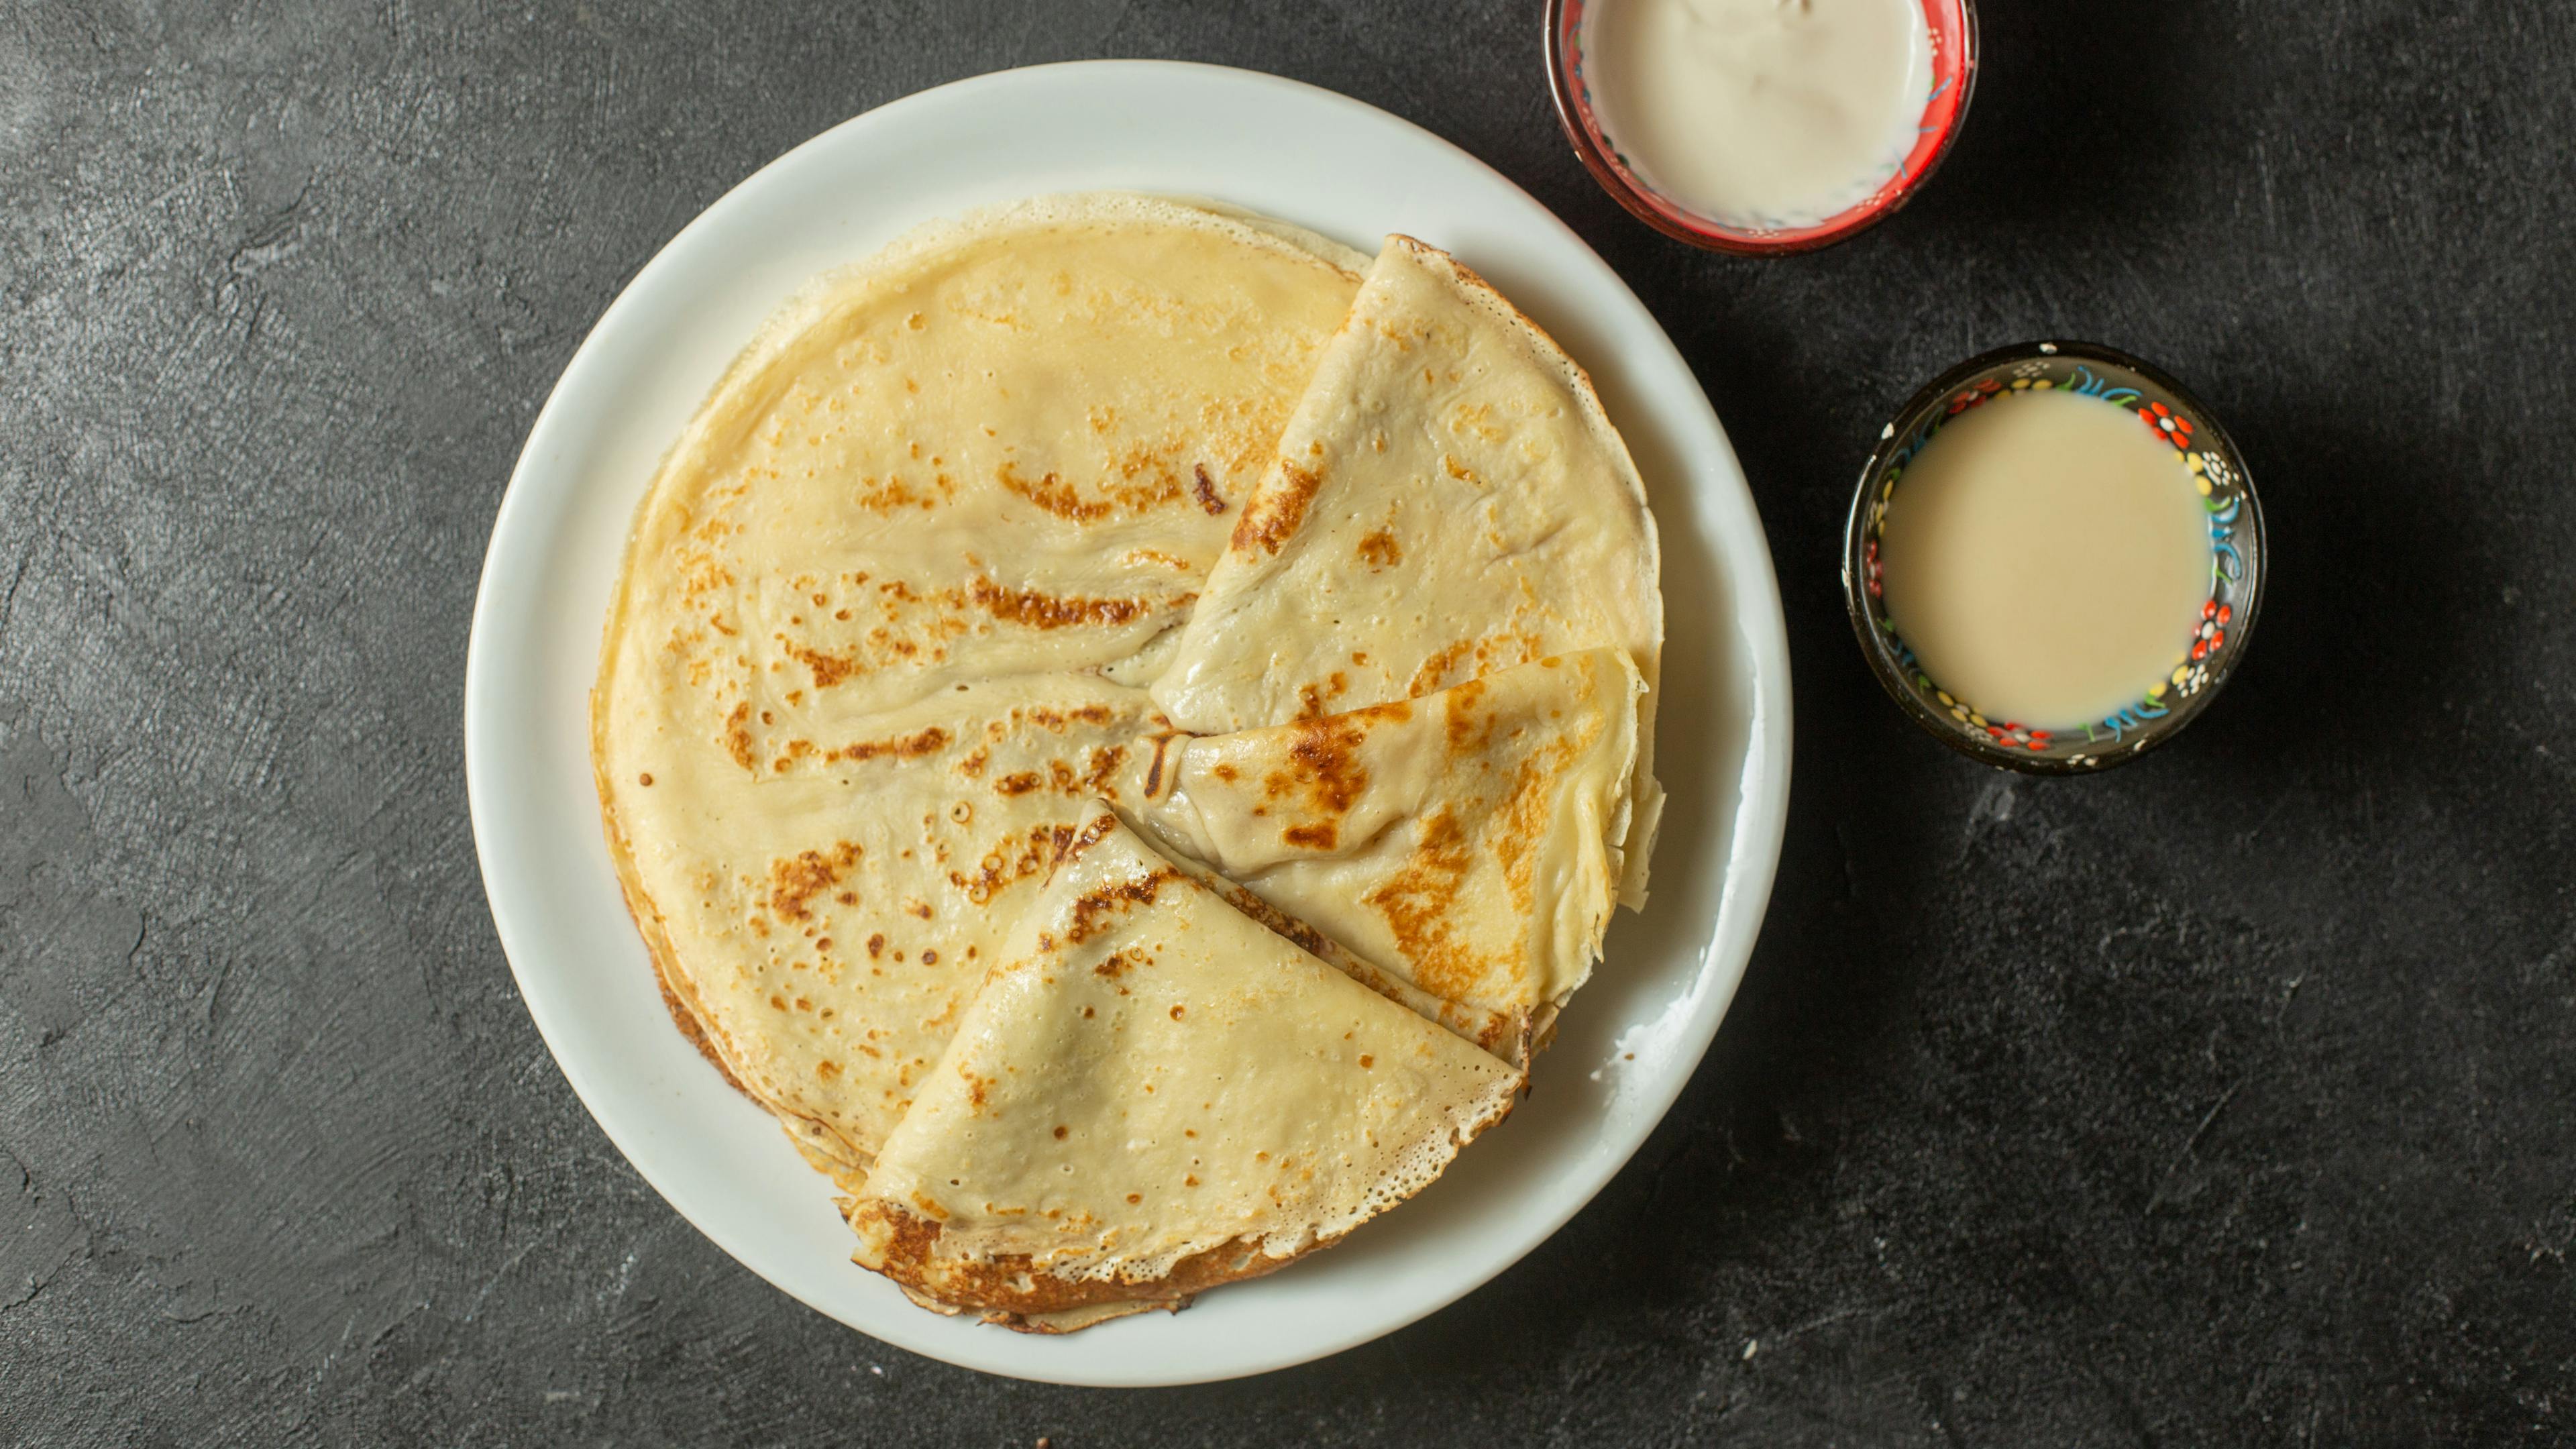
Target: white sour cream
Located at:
point(1764, 112)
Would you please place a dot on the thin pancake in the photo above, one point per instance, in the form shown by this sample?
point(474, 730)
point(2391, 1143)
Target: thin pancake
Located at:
point(1154, 1094)
point(866, 653)
point(1463, 841)
point(1449, 500)
point(828, 960)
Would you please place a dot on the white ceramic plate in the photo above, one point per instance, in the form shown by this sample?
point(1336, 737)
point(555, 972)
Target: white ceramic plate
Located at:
point(1629, 1040)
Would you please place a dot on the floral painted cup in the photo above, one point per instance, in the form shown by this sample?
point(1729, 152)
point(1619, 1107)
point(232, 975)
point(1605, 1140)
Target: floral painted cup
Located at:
point(2204, 657)
point(1952, 27)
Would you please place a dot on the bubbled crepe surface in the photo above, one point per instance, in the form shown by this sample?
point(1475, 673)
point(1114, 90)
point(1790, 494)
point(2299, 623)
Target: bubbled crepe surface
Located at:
point(1000, 456)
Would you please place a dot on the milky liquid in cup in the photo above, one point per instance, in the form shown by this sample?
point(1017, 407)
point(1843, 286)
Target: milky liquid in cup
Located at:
point(1756, 112)
point(2046, 555)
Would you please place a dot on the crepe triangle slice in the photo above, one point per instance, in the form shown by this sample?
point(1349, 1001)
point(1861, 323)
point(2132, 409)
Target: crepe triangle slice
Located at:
point(1449, 500)
point(1464, 841)
point(1152, 1095)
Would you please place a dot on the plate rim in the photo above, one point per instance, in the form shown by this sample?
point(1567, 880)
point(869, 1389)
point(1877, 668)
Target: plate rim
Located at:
point(1746, 873)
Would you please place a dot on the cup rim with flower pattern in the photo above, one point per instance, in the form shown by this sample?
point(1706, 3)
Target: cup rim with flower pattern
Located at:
point(2237, 564)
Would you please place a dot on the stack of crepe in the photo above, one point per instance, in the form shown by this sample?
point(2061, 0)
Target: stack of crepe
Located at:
point(1122, 723)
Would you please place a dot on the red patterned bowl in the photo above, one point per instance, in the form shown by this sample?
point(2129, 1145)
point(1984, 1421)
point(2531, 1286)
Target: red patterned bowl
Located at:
point(1953, 27)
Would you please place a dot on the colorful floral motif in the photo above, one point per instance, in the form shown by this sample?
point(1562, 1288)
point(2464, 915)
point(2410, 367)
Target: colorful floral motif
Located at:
point(2222, 487)
point(1975, 395)
point(2212, 633)
point(2013, 736)
point(2169, 425)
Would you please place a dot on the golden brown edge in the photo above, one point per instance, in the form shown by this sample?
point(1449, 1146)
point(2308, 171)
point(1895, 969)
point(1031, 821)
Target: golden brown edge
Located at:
point(1069, 1307)
point(910, 1240)
point(840, 1161)
point(846, 1166)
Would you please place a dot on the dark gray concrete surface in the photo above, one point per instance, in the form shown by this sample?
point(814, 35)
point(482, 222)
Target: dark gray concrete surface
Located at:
point(2224, 1099)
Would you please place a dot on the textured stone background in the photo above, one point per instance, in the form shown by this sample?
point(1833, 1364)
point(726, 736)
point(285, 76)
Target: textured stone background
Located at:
point(2221, 1100)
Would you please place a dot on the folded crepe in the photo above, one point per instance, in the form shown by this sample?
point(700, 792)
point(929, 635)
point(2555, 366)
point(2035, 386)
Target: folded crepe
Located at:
point(1154, 1094)
point(1449, 500)
point(1464, 841)
point(885, 616)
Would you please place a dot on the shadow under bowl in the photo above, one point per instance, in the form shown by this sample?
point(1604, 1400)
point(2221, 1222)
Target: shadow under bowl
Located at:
point(1951, 26)
point(2236, 551)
